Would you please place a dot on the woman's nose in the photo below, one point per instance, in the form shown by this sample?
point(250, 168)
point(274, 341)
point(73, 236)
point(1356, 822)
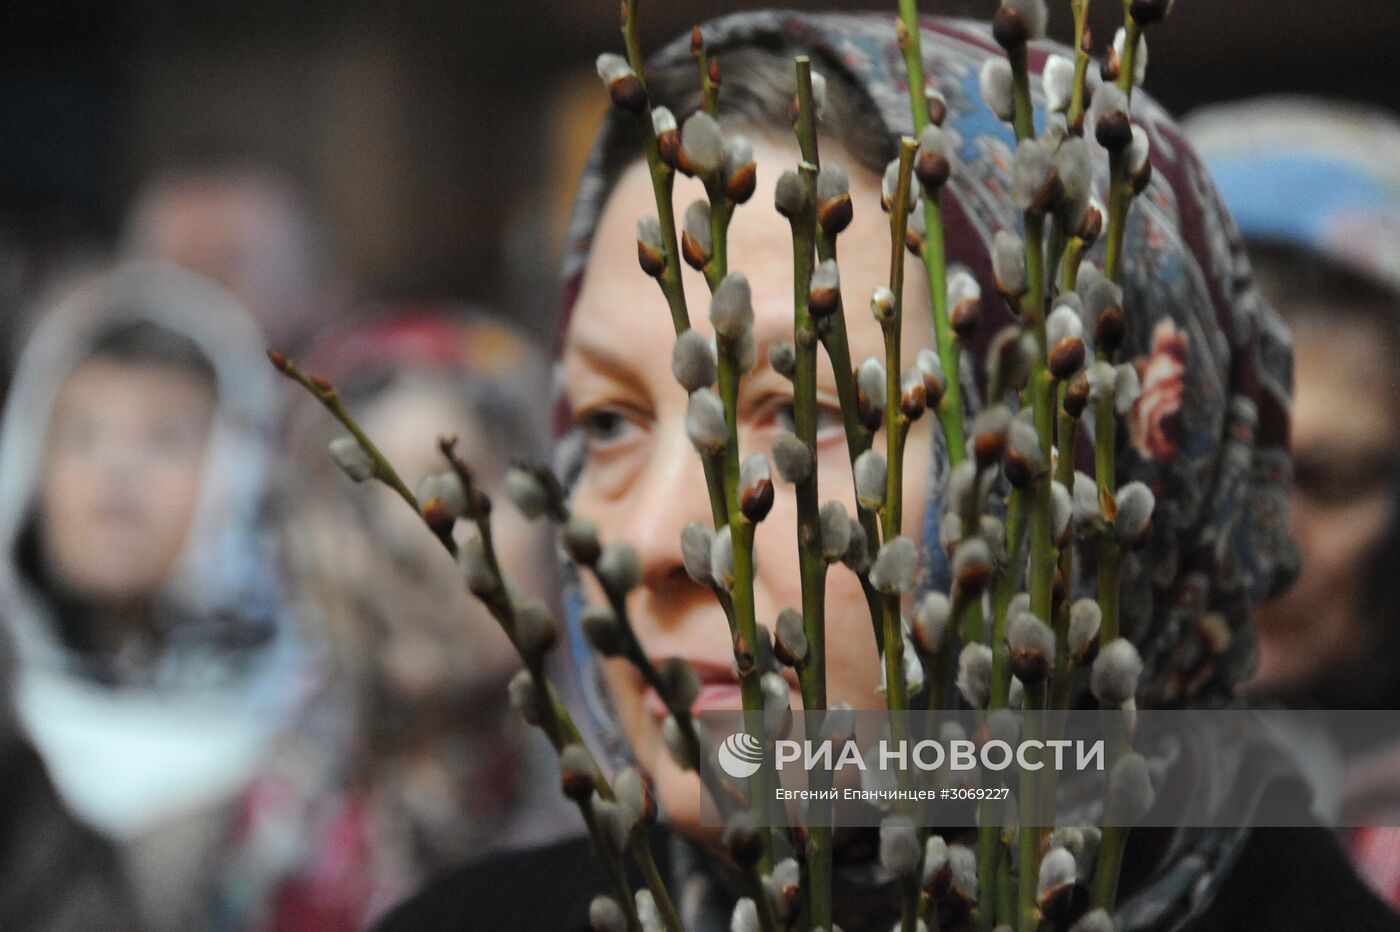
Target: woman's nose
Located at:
point(674, 493)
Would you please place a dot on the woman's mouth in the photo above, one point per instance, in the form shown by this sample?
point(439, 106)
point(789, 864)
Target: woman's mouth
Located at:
point(719, 690)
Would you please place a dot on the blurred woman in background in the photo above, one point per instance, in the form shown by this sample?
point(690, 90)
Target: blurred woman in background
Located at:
point(155, 663)
point(433, 770)
point(1315, 188)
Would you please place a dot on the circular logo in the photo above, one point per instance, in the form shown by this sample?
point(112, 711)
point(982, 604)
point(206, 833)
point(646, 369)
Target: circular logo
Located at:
point(740, 755)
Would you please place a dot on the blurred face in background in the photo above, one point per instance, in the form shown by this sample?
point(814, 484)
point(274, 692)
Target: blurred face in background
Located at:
point(122, 476)
point(1345, 418)
point(442, 633)
point(643, 481)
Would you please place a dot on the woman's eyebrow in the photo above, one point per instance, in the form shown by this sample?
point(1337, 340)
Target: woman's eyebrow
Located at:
point(603, 355)
point(607, 358)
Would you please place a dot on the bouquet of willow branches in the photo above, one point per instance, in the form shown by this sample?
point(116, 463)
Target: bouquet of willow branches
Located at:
point(1007, 634)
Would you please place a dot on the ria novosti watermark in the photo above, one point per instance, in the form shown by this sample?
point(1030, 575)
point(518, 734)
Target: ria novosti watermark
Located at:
point(1204, 768)
point(741, 755)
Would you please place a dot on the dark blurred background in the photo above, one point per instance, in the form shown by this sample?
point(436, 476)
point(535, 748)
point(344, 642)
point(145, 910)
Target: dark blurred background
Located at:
point(438, 140)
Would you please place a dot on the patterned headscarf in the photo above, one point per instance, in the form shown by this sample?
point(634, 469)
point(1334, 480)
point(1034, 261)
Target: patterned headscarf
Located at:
point(1209, 433)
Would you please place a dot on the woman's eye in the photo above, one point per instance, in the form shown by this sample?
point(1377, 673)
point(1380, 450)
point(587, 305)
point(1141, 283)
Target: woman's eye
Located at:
point(787, 418)
point(829, 422)
point(604, 426)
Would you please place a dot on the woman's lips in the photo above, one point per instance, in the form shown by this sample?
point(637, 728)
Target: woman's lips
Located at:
point(719, 690)
point(713, 697)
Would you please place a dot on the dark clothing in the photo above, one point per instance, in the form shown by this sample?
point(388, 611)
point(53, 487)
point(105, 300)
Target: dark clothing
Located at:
point(1286, 879)
point(55, 875)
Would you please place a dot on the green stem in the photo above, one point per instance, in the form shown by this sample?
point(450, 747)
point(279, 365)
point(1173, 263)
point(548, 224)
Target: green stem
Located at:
point(812, 565)
point(1023, 119)
point(909, 907)
point(1029, 836)
point(663, 179)
point(1105, 422)
point(1042, 555)
point(1069, 264)
point(812, 673)
point(1006, 883)
point(1119, 196)
point(1108, 867)
point(641, 854)
point(1110, 858)
point(1005, 589)
point(1066, 436)
point(1075, 115)
point(950, 408)
point(1128, 64)
point(709, 90)
point(743, 599)
point(988, 856)
point(896, 426)
point(721, 211)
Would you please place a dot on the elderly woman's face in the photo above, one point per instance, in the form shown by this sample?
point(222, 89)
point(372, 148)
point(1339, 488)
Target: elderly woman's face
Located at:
point(643, 482)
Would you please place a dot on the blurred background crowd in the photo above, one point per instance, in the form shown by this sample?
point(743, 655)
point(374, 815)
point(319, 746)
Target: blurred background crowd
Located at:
point(241, 694)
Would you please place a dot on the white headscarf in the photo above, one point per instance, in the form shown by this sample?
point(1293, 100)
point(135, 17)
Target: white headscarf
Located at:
point(124, 758)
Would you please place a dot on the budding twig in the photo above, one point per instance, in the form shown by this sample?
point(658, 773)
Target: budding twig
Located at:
point(1040, 391)
point(950, 408)
point(812, 672)
point(891, 513)
point(1075, 114)
point(541, 699)
point(833, 213)
point(663, 177)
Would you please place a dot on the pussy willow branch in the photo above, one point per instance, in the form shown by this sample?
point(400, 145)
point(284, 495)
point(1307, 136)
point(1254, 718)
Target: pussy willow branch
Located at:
point(1075, 114)
point(663, 179)
point(1066, 437)
point(989, 843)
point(741, 528)
point(709, 86)
point(1106, 872)
point(950, 409)
point(891, 513)
point(1105, 421)
point(896, 427)
point(1121, 194)
point(966, 616)
point(831, 330)
point(1042, 556)
point(722, 477)
point(813, 566)
point(745, 620)
point(1007, 581)
point(555, 720)
point(804, 339)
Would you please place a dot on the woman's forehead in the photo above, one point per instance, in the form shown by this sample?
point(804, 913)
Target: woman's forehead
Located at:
point(760, 246)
